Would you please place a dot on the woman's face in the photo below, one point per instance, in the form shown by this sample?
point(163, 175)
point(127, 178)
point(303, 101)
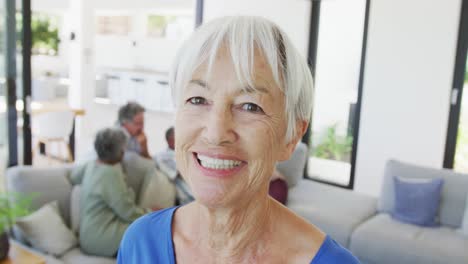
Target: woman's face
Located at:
point(228, 140)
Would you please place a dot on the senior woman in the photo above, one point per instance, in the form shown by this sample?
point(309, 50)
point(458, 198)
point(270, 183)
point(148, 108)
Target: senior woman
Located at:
point(107, 204)
point(243, 95)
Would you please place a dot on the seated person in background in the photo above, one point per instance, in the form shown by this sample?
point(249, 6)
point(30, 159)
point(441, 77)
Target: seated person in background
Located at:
point(165, 160)
point(278, 187)
point(107, 204)
point(131, 120)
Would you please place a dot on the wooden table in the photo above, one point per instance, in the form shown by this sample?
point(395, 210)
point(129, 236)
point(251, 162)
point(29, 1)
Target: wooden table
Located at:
point(20, 255)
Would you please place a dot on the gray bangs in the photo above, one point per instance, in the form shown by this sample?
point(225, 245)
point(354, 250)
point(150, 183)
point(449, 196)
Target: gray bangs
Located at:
point(242, 38)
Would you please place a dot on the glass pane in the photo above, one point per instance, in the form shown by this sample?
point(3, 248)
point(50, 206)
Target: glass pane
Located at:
point(49, 84)
point(339, 49)
point(461, 152)
point(3, 120)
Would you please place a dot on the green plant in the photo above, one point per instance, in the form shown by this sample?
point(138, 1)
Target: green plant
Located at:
point(157, 24)
point(45, 35)
point(333, 146)
point(461, 152)
point(13, 206)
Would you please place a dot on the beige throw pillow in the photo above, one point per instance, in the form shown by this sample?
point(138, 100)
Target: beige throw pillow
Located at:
point(46, 230)
point(157, 191)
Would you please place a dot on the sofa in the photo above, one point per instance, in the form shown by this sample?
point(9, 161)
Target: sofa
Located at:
point(53, 184)
point(359, 222)
point(382, 240)
point(363, 223)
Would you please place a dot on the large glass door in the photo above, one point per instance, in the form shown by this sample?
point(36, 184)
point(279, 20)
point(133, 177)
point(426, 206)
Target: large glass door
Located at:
point(456, 148)
point(337, 65)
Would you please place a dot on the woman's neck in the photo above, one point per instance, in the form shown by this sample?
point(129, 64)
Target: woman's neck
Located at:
point(236, 233)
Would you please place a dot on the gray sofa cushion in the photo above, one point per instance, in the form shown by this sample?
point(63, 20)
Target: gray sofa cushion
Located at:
point(76, 256)
point(293, 169)
point(48, 183)
point(454, 191)
point(382, 240)
point(464, 226)
point(75, 209)
point(335, 210)
point(136, 169)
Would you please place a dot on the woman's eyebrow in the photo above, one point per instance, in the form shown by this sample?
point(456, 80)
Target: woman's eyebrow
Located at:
point(250, 89)
point(247, 89)
point(200, 83)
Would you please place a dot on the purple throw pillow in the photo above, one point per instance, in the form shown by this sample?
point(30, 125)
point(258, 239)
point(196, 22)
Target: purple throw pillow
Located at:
point(279, 190)
point(417, 200)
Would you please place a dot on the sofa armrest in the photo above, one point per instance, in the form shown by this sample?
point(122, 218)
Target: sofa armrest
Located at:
point(45, 184)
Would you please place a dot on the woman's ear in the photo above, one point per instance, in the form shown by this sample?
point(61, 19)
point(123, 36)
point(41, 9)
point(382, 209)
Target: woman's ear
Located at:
point(301, 128)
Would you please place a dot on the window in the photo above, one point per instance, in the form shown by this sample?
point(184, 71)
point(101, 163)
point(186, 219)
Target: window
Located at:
point(339, 45)
point(456, 147)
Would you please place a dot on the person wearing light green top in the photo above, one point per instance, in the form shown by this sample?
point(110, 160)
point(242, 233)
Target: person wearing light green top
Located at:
point(107, 204)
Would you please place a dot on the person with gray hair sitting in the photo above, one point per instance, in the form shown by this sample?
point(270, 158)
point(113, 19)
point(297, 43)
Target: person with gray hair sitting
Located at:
point(165, 161)
point(131, 120)
point(107, 204)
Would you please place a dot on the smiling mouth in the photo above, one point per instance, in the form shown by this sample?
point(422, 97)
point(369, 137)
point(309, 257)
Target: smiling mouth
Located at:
point(216, 164)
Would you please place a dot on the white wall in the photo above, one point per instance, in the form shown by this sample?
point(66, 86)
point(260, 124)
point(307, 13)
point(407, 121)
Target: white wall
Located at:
point(409, 68)
point(145, 4)
point(115, 4)
point(148, 53)
point(293, 16)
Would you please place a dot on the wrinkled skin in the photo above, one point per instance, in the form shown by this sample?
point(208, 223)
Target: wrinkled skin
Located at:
point(217, 116)
point(229, 121)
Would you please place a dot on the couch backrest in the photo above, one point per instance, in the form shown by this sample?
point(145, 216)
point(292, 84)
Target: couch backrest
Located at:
point(293, 169)
point(136, 169)
point(48, 184)
point(454, 191)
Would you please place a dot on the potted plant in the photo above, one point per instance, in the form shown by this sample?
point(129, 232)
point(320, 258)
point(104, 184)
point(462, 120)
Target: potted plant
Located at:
point(329, 159)
point(333, 146)
point(12, 206)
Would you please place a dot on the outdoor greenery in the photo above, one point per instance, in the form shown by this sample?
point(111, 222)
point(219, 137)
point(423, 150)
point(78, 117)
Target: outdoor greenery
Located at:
point(12, 206)
point(461, 152)
point(157, 24)
point(45, 35)
point(333, 146)
point(461, 158)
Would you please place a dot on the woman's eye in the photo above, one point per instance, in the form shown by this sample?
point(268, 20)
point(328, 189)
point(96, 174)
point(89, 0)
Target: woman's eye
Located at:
point(252, 108)
point(197, 100)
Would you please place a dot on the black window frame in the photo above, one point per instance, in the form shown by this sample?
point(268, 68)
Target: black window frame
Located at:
point(457, 87)
point(312, 60)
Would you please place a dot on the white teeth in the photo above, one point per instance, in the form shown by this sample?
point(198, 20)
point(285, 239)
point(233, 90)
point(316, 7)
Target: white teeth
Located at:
point(217, 164)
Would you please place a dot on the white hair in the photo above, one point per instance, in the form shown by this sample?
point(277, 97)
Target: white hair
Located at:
point(242, 36)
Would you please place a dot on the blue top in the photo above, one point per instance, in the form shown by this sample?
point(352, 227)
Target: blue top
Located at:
point(149, 240)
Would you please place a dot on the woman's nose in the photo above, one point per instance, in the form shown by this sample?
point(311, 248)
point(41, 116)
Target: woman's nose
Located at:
point(219, 128)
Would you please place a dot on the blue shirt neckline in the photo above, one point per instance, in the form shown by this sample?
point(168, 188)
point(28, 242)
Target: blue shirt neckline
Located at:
point(327, 242)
